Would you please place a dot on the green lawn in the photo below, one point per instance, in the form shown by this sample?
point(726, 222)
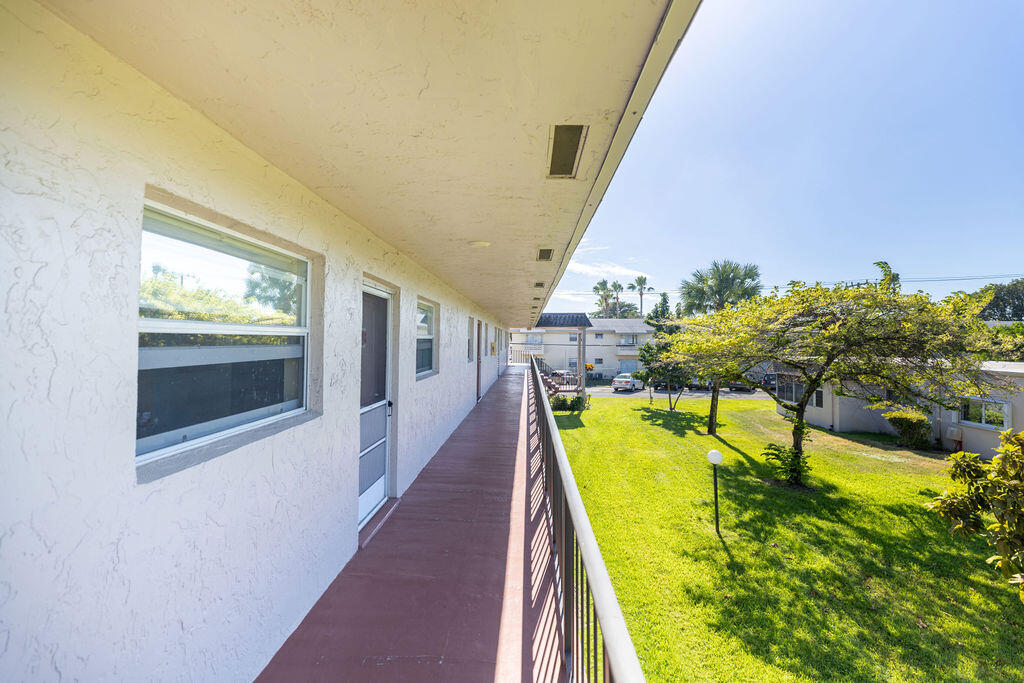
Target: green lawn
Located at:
point(854, 580)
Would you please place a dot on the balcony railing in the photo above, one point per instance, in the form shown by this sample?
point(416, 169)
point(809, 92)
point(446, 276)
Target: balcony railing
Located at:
point(597, 642)
point(520, 352)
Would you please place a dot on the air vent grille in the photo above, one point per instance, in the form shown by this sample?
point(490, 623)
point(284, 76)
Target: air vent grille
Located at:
point(538, 285)
point(545, 254)
point(566, 146)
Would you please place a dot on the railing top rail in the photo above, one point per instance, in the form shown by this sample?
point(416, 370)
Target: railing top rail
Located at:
point(622, 657)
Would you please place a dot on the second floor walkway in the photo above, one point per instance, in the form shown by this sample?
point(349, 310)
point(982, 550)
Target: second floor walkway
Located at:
point(458, 584)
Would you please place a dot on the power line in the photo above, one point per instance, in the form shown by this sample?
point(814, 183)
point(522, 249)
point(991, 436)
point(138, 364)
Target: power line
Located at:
point(946, 278)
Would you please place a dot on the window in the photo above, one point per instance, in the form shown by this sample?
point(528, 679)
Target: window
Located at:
point(469, 340)
point(599, 361)
point(793, 391)
point(535, 340)
point(985, 413)
point(573, 337)
point(426, 336)
point(628, 340)
point(223, 335)
point(572, 363)
point(599, 335)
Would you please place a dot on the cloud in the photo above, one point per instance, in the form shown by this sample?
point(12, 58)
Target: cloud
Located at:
point(586, 247)
point(602, 269)
point(573, 298)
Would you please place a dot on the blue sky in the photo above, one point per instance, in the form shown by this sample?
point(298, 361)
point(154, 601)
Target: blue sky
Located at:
point(814, 138)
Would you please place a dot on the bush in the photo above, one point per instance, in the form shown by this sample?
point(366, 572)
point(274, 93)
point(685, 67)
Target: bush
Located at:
point(913, 426)
point(791, 468)
point(578, 403)
point(990, 488)
point(559, 402)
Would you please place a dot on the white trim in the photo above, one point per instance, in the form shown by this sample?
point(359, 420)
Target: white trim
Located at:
point(1007, 414)
point(379, 487)
point(158, 357)
point(143, 458)
point(175, 326)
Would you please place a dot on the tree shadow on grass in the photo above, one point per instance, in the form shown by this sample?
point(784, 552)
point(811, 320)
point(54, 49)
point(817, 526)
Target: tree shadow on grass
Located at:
point(889, 569)
point(679, 422)
point(569, 420)
point(883, 442)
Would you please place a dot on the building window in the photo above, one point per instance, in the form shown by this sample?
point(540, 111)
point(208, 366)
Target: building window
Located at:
point(573, 337)
point(223, 334)
point(985, 413)
point(469, 341)
point(793, 391)
point(599, 361)
point(572, 363)
point(426, 337)
point(598, 335)
point(628, 340)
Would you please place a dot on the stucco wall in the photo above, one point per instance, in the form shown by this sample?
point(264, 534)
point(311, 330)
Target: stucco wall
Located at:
point(202, 574)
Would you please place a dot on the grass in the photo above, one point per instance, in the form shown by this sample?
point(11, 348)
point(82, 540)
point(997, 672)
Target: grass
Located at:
point(853, 580)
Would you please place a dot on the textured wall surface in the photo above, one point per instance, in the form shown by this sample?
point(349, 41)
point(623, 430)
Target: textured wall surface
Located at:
point(200, 575)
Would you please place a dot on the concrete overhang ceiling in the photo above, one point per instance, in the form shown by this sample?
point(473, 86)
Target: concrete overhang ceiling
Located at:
point(427, 122)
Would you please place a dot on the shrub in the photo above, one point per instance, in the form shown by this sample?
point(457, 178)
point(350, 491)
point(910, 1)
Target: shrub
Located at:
point(577, 403)
point(913, 426)
point(559, 402)
point(990, 488)
point(791, 466)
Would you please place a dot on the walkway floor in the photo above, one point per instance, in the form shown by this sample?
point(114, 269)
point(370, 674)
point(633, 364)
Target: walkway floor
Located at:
point(458, 583)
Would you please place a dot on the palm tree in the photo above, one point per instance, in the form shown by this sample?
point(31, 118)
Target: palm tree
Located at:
point(616, 290)
point(604, 296)
point(725, 283)
point(640, 285)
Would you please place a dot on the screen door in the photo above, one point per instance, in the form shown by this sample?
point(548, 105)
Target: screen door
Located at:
point(374, 403)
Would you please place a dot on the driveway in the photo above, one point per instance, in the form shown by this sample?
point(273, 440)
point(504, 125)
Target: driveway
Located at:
point(724, 393)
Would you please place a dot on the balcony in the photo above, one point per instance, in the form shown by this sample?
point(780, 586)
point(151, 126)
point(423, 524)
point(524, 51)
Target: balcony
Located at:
point(487, 569)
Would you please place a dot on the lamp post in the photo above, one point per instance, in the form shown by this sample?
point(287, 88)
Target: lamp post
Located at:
point(715, 458)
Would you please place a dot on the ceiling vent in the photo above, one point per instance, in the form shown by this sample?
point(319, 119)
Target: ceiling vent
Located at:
point(565, 151)
point(538, 285)
point(545, 254)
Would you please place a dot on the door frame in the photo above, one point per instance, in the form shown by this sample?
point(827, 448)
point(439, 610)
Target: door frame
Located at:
point(379, 290)
point(479, 357)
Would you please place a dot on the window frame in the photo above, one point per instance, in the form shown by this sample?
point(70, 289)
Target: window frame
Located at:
point(1007, 416)
point(599, 361)
point(574, 337)
point(469, 341)
point(434, 354)
point(168, 326)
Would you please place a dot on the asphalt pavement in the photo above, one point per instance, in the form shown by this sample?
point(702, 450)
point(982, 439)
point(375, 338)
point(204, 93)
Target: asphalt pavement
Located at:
point(724, 393)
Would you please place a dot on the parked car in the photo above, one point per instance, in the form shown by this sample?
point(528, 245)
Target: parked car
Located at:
point(740, 386)
point(627, 381)
point(698, 384)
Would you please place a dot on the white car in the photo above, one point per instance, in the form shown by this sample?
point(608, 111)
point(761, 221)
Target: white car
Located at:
point(627, 381)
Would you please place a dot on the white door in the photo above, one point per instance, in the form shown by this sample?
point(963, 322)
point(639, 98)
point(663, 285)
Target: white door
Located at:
point(374, 403)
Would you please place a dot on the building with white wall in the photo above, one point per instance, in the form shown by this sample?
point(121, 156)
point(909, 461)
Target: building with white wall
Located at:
point(974, 428)
point(612, 344)
point(258, 262)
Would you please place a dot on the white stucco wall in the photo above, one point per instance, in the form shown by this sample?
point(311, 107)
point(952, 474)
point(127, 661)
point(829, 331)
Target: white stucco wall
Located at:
point(200, 575)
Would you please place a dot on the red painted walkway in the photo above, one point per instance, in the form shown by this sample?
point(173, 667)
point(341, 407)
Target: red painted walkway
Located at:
point(458, 584)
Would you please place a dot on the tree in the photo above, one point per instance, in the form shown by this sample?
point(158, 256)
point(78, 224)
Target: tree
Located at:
point(1007, 301)
point(626, 309)
point(1008, 341)
point(617, 289)
point(865, 339)
point(656, 358)
point(268, 287)
point(639, 285)
point(679, 309)
point(995, 488)
point(604, 297)
point(660, 311)
point(725, 283)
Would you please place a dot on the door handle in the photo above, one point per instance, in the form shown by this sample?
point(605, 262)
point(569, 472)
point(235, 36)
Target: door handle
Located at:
point(390, 406)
